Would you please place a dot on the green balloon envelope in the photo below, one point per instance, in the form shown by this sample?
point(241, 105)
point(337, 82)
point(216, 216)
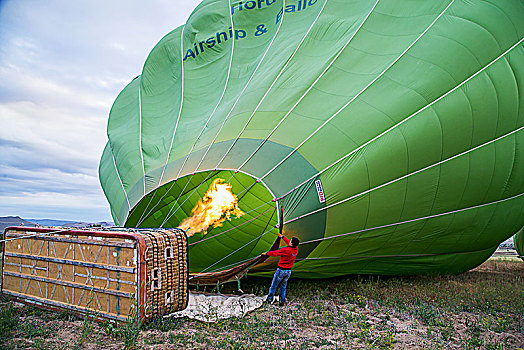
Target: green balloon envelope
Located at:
point(518, 241)
point(390, 132)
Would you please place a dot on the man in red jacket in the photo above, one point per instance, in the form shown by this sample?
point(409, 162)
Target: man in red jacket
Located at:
point(287, 260)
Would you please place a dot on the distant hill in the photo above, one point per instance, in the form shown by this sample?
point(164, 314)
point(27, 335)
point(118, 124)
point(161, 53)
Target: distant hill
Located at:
point(50, 222)
point(6, 221)
point(69, 223)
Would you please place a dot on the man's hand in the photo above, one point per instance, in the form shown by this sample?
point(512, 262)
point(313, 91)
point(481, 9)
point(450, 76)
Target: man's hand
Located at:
point(265, 254)
point(280, 235)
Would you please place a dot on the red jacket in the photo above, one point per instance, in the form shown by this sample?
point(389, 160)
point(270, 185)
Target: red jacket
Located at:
point(287, 255)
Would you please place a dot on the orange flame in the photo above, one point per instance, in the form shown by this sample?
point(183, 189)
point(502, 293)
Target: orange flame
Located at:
point(217, 205)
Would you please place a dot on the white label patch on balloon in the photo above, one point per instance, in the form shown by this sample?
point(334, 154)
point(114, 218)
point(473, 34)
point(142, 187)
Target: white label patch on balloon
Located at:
point(320, 191)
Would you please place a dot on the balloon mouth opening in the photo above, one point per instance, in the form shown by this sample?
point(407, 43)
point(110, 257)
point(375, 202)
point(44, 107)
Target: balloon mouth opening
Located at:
point(220, 237)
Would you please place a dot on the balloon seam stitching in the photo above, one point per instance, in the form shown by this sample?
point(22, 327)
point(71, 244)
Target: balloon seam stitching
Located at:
point(219, 100)
point(140, 220)
point(312, 85)
point(359, 93)
point(181, 102)
point(265, 228)
point(417, 219)
point(226, 118)
point(119, 178)
point(140, 135)
point(275, 80)
point(407, 175)
point(401, 122)
point(210, 116)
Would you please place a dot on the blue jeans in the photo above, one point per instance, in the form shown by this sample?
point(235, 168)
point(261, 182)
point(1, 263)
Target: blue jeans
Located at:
point(279, 278)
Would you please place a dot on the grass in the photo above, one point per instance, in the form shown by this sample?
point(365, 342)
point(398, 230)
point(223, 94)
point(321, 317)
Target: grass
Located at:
point(130, 331)
point(8, 319)
point(480, 309)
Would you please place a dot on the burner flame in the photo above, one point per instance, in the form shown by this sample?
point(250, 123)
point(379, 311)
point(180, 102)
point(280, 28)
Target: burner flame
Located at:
point(218, 204)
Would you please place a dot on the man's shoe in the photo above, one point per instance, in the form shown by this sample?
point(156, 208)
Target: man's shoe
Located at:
point(280, 303)
point(268, 301)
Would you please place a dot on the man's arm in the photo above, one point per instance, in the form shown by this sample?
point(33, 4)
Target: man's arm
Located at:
point(278, 252)
point(288, 242)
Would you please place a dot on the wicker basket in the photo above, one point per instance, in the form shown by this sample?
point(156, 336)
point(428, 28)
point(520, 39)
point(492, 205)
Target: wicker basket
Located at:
point(103, 273)
point(167, 278)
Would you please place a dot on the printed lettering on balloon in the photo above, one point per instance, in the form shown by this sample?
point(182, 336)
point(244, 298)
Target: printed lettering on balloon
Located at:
point(220, 37)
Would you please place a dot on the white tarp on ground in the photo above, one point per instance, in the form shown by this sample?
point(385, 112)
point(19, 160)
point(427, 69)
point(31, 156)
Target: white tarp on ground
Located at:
point(213, 307)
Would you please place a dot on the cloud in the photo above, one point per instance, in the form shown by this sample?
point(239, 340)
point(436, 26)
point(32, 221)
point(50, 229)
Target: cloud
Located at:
point(36, 136)
point(20, 180)
point(62, 64)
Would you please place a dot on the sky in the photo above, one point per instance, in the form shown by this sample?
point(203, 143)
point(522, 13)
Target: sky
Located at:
point(62, 64)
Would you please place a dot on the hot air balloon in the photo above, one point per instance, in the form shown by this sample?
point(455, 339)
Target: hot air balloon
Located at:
point(386, 135)
point(518, 241)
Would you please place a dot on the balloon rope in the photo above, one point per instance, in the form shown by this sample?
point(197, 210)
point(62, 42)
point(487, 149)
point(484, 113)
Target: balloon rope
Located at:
point(399, 123)
point(311, 86)
point(274, 80)
point(174, 131)
point(405, 176)
point(267, 225)
point(233, 252)
point(345, 257)
point(358, 94)
point(231, 265)
point(414, 220)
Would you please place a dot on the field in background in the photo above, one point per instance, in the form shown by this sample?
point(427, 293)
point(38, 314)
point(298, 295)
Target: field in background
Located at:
point(480, 309)
point(508, 253)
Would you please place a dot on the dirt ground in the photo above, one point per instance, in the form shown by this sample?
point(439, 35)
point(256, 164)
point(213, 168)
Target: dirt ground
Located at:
point(480, 309)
